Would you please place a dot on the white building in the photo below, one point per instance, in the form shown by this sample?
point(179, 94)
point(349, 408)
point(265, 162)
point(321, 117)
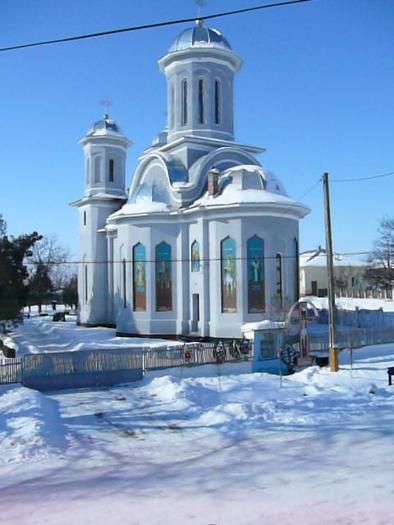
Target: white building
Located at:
point(349, 274)
point(206, 239)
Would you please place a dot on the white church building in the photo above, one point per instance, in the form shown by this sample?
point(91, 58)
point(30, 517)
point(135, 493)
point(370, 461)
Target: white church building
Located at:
point(206, 239)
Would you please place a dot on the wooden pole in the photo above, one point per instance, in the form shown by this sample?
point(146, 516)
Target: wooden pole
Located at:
point(333, 353)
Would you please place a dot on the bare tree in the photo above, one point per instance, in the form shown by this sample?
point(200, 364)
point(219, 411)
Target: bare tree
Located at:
point(48, 253)
point(380, 272)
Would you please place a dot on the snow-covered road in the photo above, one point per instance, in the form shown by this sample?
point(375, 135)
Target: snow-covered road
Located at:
point(41, 334)
point(226, 450)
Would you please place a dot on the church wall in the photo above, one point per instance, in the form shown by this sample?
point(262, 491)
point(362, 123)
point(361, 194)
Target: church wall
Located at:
point(92, 275)
point(150, 320)
point(224, 324)
point(278, 235)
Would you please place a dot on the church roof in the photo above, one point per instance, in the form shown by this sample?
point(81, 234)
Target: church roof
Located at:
point(105, 126)
point(199, 36)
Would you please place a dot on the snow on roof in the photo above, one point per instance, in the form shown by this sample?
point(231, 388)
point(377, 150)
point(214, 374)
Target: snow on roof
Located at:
point(351, 303)
point(315, 259)
point(232, 195)
point(250, 184)
point(140, 207)
point(263, 325)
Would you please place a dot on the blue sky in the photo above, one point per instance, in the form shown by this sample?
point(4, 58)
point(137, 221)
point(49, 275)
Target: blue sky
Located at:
point(316, 90)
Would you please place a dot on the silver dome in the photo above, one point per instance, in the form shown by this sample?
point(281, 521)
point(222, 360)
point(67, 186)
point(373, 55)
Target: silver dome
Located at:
point(104, 126)
point(199, 36)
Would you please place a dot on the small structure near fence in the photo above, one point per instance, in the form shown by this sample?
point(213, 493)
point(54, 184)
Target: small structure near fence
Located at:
point(270, 352)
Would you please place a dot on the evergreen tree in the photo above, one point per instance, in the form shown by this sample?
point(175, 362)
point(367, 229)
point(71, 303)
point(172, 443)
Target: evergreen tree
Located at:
point(13, 272)
point(40, 285)
point(70, 292)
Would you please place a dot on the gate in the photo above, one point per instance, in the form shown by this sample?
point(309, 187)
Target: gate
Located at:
point(10, 371)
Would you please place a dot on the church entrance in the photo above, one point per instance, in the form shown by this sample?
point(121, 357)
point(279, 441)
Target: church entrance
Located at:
point(195, 311)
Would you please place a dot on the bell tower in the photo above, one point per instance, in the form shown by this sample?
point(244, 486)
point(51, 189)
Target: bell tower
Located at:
point(105, 149)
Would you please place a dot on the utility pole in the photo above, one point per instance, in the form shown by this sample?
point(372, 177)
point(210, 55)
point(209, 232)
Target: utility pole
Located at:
point(333, 352)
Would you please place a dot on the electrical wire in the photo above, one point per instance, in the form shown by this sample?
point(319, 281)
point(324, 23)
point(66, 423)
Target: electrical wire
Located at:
point(310, 189)
point(364, 178)
point(151, 25)
point(187, 260)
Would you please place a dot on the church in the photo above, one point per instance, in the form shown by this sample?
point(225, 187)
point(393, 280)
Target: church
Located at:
point(205, 239)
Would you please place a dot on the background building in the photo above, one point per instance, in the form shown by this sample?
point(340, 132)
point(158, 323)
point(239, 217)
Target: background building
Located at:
point(350, 279)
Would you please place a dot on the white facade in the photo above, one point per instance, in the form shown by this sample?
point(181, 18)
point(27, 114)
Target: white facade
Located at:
point(206, 239)
point(349, 274)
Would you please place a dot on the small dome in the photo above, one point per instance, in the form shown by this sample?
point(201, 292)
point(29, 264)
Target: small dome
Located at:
point(254, 177)
point(199, 36)
point(105, 126)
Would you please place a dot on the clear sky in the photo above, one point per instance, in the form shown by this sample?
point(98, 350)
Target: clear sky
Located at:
point(316, 90)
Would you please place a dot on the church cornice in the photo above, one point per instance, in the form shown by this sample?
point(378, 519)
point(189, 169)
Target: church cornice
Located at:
point(204, 141)
point(99, 198)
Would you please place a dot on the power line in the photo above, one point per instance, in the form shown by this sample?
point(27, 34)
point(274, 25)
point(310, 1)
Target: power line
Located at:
point(364, 178)
point(151, 25)
point(131, 261)
point(310, 189)
point(186, 260)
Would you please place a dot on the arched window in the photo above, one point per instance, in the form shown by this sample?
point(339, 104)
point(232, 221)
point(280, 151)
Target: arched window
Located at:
point(84, 217)
point(256, 282)
point(111, 170)
point(86, 282)
point(124, 291)
point(296, 270)
point(228, 275)
point(172, 102)
point(279, 278)
point(184, 102)
point(195, 257)
point(201, 101)
point(163, 277)
point(217, 102)
point(139, 278)
point(87, 168)
point(97, 169)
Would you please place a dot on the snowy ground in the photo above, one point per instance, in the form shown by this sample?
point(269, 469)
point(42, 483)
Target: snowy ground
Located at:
point(223, 450)
point(41, 334)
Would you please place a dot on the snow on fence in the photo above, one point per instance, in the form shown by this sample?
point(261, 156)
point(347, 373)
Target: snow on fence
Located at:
point(10, 371)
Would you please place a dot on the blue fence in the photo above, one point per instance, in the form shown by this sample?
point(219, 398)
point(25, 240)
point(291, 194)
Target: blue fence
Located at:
point(62, 370)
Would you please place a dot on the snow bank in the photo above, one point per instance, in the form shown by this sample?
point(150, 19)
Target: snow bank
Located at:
point(30, 426)
point(234, 450)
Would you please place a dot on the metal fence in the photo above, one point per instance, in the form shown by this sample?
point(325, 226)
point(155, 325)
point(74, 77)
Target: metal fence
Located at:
point(193, 354)
point(87, 368)
point(353, 338)
point(10, 371)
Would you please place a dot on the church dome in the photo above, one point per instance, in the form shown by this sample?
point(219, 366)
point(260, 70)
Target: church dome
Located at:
point(105, 126)
point(199, 36)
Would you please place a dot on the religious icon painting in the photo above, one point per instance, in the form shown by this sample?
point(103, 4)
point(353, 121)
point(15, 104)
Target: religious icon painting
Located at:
point(195, 257)
point(255, 265)
point(139, 278)
point(229, 275)
point(163, 277)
